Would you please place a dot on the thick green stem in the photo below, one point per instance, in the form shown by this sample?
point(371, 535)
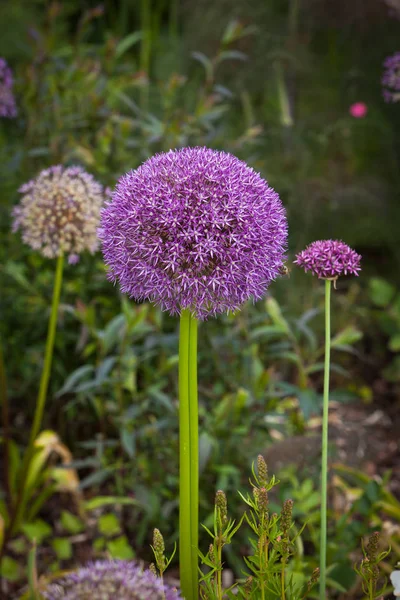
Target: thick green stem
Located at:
point(188, 450)
point(324, 465)
point(43, 386)
point(194, 451)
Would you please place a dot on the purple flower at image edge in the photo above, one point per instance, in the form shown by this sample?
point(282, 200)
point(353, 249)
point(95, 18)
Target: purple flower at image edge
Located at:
point(194, 229)
point(391, 78)
point(329, 259)
point(8, 107)
point(59, 212)
point(110, 580)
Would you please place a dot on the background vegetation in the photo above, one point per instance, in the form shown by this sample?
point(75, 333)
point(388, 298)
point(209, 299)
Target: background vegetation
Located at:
point(107, 85)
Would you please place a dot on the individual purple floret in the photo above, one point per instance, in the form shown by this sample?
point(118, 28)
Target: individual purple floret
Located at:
point(194, 229)
point(328, 259)
point(110, 580)
point(391, 78)
point(8, 107)
point(59, 212)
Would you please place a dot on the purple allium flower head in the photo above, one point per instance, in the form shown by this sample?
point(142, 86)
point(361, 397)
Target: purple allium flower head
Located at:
point(328, 259)
point(194, 229)
point(59, 212)
point(7, 102)
point(110, 580)
point(391, 78)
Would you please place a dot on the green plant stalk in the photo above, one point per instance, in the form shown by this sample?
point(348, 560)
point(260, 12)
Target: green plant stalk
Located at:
point(173, 18)
point(194, 450)
point(187, 462)
point(145, 48)
point(219, 571)
point(324, 465)
point(43, 387)
point(5, 414)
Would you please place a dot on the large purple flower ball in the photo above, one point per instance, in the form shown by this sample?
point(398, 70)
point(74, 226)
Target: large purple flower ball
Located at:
point(194, 229)
point(328, 259)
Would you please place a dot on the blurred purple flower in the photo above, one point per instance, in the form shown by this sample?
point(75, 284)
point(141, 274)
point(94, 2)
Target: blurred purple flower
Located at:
point(59, 212)
point(110, 580)
point(8, 107)
point(328, 259)
point(358, 110)
point(194, 229)
point(391, 78)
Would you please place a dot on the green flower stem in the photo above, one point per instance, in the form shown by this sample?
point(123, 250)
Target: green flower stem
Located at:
point(145, 48)
point(194, 451)
point(324, 465)
point(188, 450)
point(43, 387)
point(5, 413)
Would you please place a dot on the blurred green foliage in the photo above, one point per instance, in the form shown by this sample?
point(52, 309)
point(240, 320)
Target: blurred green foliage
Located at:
point(108, 85)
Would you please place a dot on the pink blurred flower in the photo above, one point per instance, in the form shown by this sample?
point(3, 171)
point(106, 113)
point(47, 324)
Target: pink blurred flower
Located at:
point(358, 110)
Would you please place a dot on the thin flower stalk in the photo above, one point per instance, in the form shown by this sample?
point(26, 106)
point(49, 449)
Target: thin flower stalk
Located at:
point(43, 387)
point(328, 260)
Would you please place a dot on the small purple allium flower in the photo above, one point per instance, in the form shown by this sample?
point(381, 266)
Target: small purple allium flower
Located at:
point(194, 229)
point(110, 580)
point(59, 212)
point(391, 78)
point(328, 259)
point(8, 108)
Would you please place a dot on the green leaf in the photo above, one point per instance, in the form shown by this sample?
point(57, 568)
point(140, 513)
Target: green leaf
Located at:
point(394, 343)
point(62, 547)
point(380, 291)
point(75, 378)
point(205, 61)
point(348, 336)
point(109, 525)
point(112, 332)
point(10, 569)
point(206, 444)
point(275, 313)
point(100, 501)
point(71, 523)
point(120, 548)
point(127, 42)
point(38, 530)
point(128, 442)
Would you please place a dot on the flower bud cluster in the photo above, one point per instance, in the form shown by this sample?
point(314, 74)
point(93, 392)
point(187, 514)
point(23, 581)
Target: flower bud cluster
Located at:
point(59, 212)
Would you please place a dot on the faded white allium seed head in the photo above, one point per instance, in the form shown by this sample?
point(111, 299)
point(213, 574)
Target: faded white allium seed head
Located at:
point(59, 212)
